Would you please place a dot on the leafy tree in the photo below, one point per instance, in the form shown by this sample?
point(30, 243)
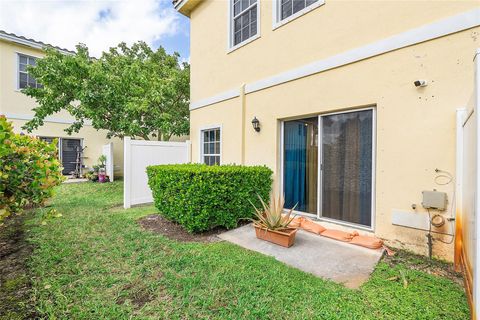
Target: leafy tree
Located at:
point(129, 91)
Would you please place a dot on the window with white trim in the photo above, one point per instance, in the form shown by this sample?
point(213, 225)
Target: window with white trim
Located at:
point(287, 10)
point(211, 146)
point(24, 78)
point(244, 20)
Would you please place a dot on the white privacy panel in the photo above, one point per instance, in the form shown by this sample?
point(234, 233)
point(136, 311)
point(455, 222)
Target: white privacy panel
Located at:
point(107, 151)
point(468, 185)
point(138, 155)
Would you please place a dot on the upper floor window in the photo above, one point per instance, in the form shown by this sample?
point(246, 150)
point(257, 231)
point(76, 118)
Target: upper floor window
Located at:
point(210, 146)
point(24, 79)
point(289, 7)
point(287, 10)
point(244, 20)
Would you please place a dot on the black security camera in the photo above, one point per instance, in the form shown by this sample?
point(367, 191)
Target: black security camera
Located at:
point(420, 83)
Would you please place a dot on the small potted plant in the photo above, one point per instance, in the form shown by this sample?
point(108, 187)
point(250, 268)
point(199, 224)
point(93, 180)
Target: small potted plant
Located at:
point(100, 169)
point(101, 175)
point(271, 225)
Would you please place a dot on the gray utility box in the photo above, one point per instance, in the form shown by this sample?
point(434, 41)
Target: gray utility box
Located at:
point(434, 200)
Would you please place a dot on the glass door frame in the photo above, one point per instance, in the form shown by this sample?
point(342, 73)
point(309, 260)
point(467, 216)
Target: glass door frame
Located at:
point(320, 171)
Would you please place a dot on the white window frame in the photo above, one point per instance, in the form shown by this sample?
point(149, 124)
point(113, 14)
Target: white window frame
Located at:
point(230, 46)
point(200, 141)
point(17, 68)
point(277, 17)
point(318, 216)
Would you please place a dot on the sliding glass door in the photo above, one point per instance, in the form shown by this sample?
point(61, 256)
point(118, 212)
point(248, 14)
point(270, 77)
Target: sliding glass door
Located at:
point(347, 167)
point(301, 164)
point(342, 189)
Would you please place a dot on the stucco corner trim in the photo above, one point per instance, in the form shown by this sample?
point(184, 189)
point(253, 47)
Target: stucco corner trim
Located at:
point(450, 25)
point(227, 95)
point(24, 117)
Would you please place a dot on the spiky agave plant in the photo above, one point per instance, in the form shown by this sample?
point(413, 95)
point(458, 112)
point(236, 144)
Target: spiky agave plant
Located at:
point(270, 216)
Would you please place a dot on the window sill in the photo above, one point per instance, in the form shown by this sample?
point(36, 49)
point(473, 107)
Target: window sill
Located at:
point(298, 14)
point(241, 44)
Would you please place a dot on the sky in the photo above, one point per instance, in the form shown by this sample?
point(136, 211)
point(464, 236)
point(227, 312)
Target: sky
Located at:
point(98, 24)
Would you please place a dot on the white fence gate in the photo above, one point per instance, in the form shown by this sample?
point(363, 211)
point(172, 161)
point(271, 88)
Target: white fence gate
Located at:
point(467, 249)
point(138, 155)
point(107, 151)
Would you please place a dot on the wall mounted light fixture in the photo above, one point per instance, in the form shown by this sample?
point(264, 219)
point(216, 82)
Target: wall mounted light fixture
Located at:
point(256, 124)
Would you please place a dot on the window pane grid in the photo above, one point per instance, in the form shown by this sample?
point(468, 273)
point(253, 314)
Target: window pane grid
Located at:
point(239, 6)
point(290, 7)
point(244, 20)
point(24, 79)
point(211, 146)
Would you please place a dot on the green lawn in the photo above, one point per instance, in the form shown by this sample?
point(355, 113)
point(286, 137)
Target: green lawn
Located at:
point(95, 262)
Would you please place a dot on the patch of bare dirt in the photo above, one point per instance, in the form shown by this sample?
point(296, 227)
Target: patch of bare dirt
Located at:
point(158, 224)
point(136, 293)
point(15, 285)
point(422, 263)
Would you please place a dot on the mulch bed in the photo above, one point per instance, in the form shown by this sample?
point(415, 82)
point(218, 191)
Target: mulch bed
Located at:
point(158, 224)
point(15, 285)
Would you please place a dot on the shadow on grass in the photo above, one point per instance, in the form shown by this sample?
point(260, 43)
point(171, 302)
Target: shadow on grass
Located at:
point(15, 285)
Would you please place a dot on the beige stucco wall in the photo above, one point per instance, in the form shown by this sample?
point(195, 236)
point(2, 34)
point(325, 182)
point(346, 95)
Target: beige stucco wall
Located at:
point(17, 106)
point(415, 127)
point(333, 28)
point(91, 138)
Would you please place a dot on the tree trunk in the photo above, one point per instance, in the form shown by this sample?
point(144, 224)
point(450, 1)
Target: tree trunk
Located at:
point(162, 136)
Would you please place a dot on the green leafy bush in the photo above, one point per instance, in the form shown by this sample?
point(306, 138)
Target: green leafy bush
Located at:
point(202, 197)
point(29, 170)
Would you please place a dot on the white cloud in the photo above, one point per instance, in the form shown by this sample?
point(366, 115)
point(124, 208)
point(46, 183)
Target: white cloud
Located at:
point(98, 24)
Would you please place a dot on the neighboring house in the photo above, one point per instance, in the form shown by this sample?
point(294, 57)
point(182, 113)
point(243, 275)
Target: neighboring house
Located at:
point(352, 138)
point(16, 53)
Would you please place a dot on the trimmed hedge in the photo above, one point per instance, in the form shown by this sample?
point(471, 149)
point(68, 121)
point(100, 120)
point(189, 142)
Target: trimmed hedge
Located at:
point(201, 197)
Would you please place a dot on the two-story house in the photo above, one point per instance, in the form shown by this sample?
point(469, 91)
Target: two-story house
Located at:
point(351, 103)
point(16, 54)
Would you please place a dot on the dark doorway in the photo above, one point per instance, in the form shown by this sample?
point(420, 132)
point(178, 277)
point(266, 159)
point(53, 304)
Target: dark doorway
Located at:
point(69, 150)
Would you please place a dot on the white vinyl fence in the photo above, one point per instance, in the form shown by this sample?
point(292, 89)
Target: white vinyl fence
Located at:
point(107, 151)
point(138, 155)
point(467, 253)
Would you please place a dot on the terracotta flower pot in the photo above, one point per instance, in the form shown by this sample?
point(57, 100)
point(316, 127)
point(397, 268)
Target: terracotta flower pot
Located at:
point(284, 238)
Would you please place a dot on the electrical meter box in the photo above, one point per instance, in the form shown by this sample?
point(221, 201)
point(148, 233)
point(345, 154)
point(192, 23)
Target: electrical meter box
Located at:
point(434, 200)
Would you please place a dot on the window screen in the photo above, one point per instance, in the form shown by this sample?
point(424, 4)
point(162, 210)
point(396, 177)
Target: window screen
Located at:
point(244, 20)
point(290, 7)
point(24, 79)
point(211, 146)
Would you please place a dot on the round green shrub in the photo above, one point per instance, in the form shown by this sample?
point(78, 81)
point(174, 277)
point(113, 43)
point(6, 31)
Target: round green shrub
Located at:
point(29, 170)
point(201, 197)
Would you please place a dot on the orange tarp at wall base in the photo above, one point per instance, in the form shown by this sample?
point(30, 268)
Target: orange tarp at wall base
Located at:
point(350, 237)
point(368, 242)
point(310, 226)
point(340, 235)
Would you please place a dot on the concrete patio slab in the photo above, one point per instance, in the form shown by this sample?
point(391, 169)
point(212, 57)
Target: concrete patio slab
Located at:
point(343, 263)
